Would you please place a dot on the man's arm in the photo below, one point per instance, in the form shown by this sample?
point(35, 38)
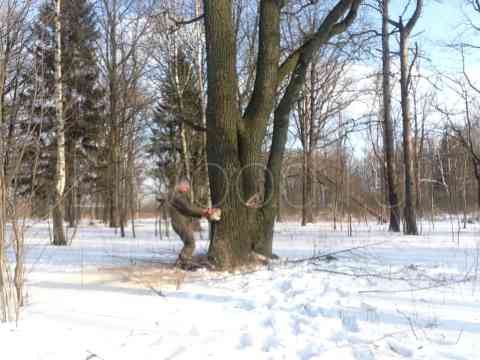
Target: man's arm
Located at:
point(187, 209)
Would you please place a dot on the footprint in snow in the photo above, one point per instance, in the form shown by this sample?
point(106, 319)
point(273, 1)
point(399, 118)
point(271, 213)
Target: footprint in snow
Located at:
point(271, 302)
point(311, 351)
point(371, 313)
point(399, 348)
point(298, 326)
point(268, 322)
point(363, 353)
point(325, 290)
point(245, 305)
point(194, 331)
point(270, 342)
point(349, 322)
point(451, 356)
point(342, 293)
point(245, 340)
point(308, 310)
point(285, 285)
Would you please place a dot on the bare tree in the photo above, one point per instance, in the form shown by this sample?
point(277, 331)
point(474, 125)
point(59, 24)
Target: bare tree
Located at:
point(422, 105)
point(467, 131)
point(124, 24)
point(405, 30)
point(327, 93)
point(388, 133)
point(13, 33)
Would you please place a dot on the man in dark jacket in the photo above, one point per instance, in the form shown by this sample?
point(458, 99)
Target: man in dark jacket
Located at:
point(182, 212)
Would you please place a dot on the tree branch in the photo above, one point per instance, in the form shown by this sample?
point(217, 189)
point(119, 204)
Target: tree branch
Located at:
point(266, 80)
point(416, 15)
point(327, 29)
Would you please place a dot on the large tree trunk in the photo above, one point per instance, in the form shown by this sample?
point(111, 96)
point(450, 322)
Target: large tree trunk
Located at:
point(230, 244)
point(234, 141)
point(409, 207)
point(388, 137)
point(58, 206)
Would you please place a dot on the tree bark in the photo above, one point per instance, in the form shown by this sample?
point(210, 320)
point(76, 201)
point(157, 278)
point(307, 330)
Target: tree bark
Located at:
point(388, 135)
point(227, 247)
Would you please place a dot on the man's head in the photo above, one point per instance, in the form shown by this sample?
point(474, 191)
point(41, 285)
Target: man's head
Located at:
point(183, 186)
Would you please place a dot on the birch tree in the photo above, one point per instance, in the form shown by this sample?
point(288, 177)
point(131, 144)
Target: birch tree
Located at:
point(58, 205)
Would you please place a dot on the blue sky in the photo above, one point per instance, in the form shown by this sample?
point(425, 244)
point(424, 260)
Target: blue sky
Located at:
point(442, 22)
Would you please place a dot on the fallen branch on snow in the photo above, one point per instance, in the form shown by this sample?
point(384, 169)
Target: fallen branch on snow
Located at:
point(331, 256)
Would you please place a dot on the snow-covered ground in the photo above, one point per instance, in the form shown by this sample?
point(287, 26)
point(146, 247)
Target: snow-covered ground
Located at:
point(393, 297)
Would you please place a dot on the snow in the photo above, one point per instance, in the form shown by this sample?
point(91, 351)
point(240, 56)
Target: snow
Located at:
point(393, 297)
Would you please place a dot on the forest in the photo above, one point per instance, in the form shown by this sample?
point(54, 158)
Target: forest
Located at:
point(299, 119)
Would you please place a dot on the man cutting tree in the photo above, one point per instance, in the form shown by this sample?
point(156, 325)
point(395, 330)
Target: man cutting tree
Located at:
point(182, 212)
